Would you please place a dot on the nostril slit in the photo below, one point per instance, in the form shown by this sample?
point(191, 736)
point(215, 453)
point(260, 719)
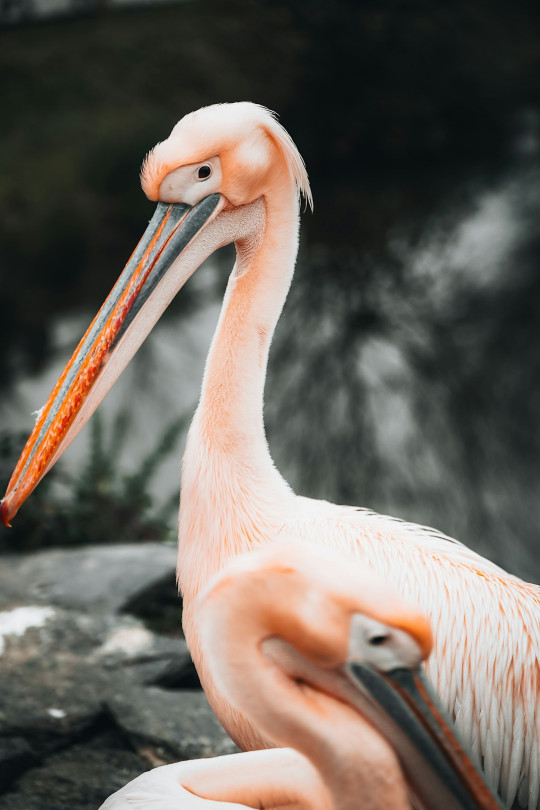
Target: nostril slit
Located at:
point(379, 639)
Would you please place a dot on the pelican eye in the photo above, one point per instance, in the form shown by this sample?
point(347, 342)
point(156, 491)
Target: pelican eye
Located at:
point(204, 172)
point(377, 640)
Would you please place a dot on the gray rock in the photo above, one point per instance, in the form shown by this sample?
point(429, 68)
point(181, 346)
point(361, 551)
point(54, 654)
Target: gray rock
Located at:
point(16, 756)
point(174, 725)
point(178, 673)
point(58, 673)
point(80, 712)
point(102, 578)
point(79, 778)
point(146, 658)
point(49, 690)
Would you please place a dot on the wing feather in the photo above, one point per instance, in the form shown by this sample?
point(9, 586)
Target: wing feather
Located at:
point(486, 658)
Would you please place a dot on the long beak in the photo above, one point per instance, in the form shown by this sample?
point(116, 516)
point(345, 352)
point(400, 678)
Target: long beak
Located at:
point(437, 768)
point(111, 340)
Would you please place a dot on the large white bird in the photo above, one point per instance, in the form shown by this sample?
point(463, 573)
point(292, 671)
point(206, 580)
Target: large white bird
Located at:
point(230, 173)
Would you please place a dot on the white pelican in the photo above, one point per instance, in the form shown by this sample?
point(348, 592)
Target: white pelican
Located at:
point(231, 173)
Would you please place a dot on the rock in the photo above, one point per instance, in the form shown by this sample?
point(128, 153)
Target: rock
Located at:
point(158, 605)
point(56, 676)
point(101, 578)
point(18, 620)
point(174, 725)
point(16, 756)
point(78, 778)
point(147, 658)
point(50, 692)
point(178, 674)
point(82, 708)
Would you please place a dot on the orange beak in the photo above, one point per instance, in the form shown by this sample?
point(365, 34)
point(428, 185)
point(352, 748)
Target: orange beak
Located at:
point(135, 303)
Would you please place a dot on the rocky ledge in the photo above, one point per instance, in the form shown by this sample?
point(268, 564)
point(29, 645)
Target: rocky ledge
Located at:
point(96, 681)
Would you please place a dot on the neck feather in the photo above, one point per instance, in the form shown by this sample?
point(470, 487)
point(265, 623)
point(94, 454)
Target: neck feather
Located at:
point(231, 406)
point(232, 496)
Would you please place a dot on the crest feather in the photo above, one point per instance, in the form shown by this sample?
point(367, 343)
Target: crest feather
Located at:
point(289, 150)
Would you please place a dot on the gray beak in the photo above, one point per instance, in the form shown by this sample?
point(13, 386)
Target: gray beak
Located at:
point(401, 704)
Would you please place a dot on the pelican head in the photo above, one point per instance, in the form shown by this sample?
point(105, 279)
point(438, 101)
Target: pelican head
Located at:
point(212, 178)
point(230, 149)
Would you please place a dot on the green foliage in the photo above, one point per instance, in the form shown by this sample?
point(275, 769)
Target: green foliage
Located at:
point(99, 504)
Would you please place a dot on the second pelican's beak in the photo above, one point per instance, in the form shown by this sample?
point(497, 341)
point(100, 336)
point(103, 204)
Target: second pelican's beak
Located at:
point(149, 282)
point(401, 704)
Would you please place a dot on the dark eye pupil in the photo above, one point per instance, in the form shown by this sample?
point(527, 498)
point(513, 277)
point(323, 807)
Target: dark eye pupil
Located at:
point(204, 172)
point(378, 640)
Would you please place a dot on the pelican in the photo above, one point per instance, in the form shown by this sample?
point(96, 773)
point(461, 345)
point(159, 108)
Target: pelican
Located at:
point(325, 657)
point(231, 173)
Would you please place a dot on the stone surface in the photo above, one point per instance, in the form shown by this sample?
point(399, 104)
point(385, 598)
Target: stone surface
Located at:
point(174, 725)
point(50, 692)
point(96, 681)
point(101, 578)
point(56, 677)
point(16, 756)
point(79, 778)
point(158, 605)
point(147, 658)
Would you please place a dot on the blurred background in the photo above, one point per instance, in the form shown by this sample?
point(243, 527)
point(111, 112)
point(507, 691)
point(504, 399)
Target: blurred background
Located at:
point(405, 370)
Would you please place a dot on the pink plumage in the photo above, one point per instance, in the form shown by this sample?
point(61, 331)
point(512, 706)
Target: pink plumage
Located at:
point(486, 622)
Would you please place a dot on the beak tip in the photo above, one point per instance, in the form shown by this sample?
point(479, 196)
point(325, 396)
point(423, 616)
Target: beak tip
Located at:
point(4, 512)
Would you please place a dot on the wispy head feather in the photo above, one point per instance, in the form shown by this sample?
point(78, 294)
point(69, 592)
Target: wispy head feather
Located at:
point(152, 173)
point(287, 147)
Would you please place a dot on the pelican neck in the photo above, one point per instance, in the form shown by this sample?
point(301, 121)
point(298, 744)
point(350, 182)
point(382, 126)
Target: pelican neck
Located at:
point(231, 405)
